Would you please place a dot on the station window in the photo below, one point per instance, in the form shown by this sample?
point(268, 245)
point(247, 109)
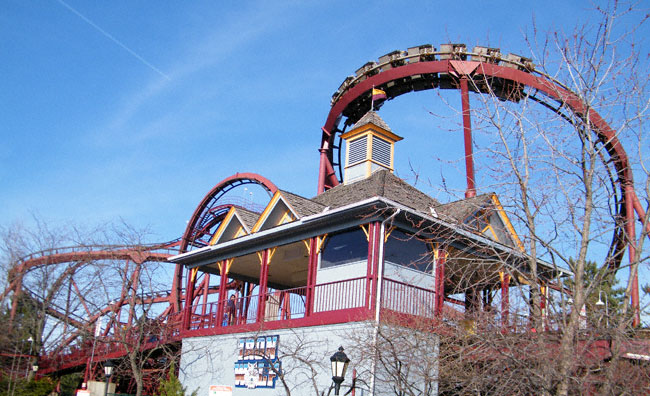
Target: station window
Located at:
point(408, 251)
point(344, 247)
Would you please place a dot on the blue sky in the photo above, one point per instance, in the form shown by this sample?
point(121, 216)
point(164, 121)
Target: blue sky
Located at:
point(134, 110)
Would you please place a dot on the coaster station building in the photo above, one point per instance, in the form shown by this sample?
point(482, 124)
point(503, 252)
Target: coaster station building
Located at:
point(320, 271)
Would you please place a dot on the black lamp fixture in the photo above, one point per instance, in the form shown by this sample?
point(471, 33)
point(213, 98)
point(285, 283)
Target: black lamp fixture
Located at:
point(340, 362)
point(108, 370)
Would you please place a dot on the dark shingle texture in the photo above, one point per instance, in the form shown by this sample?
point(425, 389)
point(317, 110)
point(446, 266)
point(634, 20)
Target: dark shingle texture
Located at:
point(382, 183)
point(460, 210)
point(248, 217)
point(302, 206)
point(372, 118)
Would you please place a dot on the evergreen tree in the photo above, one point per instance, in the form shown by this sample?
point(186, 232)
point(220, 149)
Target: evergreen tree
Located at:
point(172, 385)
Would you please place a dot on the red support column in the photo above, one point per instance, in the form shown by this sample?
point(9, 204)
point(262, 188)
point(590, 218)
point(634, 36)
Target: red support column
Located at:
point(206, 286)
point(505, 299)
point(467, 132)
point(440, 283)
point(372, 273)
point(18, 290)
point(189, 297)
point(630, 230)
point(261, 306)
point(223, 293)
point(544, 306)
point(135, 281)
point(369, 266)
point(312, 269)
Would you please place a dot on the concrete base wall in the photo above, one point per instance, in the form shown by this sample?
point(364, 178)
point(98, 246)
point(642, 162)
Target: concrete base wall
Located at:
point(212, 360)
point(304, 359)
point(96, 388)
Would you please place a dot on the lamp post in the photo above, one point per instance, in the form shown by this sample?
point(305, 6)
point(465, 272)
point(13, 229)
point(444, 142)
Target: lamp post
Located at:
point(108, 370)
point(31, 347)
point(34, 369)
point(340, 364)
point(600, 303)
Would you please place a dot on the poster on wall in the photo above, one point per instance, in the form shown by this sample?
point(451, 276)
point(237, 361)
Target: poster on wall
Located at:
point(220, 390)
point(258, 365)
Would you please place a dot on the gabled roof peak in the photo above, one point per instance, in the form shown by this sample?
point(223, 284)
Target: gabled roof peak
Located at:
point(372, 117)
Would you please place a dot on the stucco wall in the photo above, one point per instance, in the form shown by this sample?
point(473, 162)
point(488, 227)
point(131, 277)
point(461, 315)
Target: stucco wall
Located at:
point(211, 360)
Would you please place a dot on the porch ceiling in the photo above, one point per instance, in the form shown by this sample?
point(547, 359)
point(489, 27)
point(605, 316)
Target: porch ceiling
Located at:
point(287, 269)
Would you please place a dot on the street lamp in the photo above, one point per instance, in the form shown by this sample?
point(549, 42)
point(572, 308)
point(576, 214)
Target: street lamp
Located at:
point(108, 370)
point(34, 369)
point(600, 303)
point(31, 347)
point(340, 364)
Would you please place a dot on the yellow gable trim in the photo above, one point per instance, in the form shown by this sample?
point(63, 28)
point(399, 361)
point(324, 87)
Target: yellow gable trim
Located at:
point(289, 214)
point(240, 232)
point(506, 221)
point(222, 226)
point(371, 129)
point(266, 212)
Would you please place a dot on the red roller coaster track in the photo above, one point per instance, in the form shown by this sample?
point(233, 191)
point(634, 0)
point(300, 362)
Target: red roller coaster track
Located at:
point(206, 217)
point(407, 71)
point(400, 73)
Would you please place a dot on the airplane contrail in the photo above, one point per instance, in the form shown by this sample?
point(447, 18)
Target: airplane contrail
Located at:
point(113, 39)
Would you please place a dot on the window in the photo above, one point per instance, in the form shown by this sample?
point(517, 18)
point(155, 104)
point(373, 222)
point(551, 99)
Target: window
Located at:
point(408, 251)
point(344, 247)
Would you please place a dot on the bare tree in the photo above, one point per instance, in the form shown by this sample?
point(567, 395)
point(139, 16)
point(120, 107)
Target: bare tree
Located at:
point(556, 173)
point(134, 319)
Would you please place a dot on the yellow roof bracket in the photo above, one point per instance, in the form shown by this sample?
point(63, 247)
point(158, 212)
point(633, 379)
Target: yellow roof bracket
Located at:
point(365, 231)
point(229, 264)
point(388, 232)
point(271, 253)
point(320, 241)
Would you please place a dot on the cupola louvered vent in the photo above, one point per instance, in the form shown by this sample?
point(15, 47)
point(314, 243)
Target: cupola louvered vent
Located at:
point(357, 150)
point(381, 151)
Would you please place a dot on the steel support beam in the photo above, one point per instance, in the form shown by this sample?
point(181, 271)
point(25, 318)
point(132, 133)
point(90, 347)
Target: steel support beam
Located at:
point(467, 136)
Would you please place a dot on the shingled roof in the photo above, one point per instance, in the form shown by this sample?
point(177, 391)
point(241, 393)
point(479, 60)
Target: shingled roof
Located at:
point(372, 118)
point(382, 183)
point(302, 206)
point(460, 210)
point(249, 218)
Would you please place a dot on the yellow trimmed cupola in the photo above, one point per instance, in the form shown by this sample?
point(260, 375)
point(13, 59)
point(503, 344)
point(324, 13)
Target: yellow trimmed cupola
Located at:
point(370, 147)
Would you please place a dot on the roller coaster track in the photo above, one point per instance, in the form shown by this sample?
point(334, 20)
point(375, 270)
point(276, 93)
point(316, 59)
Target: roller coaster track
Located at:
point(63, 356)
point(486, 71)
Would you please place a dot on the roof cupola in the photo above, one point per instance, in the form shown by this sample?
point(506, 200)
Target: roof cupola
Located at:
point(370, 147)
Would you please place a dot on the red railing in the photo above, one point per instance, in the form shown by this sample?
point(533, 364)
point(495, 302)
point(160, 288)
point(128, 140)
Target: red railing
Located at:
point(340, 295)
point(289, 304)
point(408, 299)
point(282, 304)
